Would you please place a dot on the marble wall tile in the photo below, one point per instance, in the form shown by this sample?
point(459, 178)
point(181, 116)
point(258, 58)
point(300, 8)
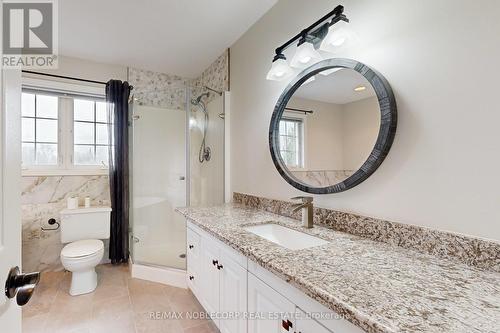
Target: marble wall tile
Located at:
point(158, 89)
point(473, 251)
point(169, 91)
point(322, 178)
point(43, 198)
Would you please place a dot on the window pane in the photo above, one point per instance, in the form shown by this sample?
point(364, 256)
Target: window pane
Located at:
point(282, 142)
point(101, 113)
point(46, 106)
point(102, 134)
point(290, 128)
point(28, 105)
point(282, 127)
point(84, 109)
point(46, 130)
point(46, 154)
point(290, 144)
point(84, 155)
point(84, 133)
point(101, 155)
point(28, 153)
point(28, 129)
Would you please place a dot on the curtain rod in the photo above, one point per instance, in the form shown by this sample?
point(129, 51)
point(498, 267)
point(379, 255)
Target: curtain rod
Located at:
point(68, 77)
point(300, 110)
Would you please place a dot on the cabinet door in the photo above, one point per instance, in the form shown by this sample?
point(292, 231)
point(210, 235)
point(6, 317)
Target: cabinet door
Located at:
point(209, 293)
point(308, 325)
point(269, 311)
point(233, 296)
point(193, 261)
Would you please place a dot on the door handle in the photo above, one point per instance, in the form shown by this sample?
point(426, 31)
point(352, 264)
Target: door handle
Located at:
point(22, 285)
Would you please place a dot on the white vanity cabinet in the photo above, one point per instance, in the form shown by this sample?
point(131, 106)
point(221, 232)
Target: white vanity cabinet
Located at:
point(243, 297)
point(272, 312)
point(193, 264)
point(305, 325)
point(222, 284)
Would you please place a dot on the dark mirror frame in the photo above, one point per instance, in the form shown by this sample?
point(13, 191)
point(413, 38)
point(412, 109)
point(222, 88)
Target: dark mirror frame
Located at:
point(388, 124)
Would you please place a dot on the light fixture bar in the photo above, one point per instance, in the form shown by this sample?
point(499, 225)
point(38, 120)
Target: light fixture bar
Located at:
point(318, 29)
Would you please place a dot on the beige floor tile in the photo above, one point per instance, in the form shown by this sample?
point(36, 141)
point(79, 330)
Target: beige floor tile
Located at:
point(203, 328)
point(119, 304)
point(184, 302)
point(145, 324)
point(34, 324)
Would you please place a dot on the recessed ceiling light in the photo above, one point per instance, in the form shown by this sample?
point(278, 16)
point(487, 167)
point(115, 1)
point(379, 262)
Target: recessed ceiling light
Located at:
point(359, 88)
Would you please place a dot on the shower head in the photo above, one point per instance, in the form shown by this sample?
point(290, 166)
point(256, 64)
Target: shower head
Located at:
point(198, 100)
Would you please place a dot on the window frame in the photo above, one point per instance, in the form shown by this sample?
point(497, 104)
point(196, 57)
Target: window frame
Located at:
point(71, 142)
point(41, 167)
point(65, 93)
point(302, 139)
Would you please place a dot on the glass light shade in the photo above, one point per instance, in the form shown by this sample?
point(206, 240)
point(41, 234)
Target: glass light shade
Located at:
point(305, 56)
point(338, 37)
point(279, 71)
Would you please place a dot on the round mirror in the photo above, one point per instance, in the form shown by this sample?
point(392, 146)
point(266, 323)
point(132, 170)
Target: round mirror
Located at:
point(332, 126)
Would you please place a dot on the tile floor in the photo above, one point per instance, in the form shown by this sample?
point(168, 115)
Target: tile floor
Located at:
point(119, 304)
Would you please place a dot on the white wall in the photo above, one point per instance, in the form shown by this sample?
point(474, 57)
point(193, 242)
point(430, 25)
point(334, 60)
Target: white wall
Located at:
point(86, 69)
point(360, 125)
point(440, 58)
point(324, 148)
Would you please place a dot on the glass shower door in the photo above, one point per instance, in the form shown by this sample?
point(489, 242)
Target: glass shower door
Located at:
point(158, 186)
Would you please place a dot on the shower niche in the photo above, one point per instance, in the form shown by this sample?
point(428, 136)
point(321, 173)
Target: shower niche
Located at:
point(176, 160)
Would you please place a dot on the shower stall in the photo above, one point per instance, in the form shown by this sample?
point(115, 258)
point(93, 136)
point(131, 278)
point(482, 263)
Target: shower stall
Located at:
point(176, 160)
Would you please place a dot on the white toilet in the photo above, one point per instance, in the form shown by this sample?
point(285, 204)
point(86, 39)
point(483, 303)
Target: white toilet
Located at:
point(83, 229)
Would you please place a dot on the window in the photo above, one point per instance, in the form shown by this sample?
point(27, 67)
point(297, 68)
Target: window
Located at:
point(291, 142)
point(40, 129)
point(90, 125)
point(63, 134)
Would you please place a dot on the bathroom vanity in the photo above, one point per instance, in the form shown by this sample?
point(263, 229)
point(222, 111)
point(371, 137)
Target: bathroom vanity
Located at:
point(249, 282)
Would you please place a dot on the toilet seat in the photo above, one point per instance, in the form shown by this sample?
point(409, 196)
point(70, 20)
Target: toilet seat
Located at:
point(82, 249)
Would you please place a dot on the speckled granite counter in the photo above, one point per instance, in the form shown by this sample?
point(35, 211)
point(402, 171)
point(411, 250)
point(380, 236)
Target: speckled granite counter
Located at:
point(377, 286)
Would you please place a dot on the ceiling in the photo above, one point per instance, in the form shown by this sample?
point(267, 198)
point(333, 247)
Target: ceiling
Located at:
point(336, 88)
point(181, 37)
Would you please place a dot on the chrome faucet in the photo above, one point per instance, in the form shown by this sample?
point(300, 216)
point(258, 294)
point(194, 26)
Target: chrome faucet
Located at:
point(307, 210)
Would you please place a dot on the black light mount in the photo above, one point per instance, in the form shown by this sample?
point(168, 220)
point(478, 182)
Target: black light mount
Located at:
point(315, 32)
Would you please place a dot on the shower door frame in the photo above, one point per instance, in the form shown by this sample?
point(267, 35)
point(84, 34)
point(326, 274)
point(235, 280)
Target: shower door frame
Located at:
point(144, 270)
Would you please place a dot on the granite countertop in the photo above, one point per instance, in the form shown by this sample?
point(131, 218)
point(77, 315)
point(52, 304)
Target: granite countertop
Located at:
point(376, 286)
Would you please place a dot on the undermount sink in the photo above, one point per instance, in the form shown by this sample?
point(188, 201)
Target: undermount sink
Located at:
point(286, 237)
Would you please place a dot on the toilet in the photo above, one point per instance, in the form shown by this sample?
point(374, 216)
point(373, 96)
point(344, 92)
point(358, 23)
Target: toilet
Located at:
point(83, 230)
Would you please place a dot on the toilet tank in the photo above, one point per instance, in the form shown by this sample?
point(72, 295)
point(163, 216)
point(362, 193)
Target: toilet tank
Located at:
point(85, 223)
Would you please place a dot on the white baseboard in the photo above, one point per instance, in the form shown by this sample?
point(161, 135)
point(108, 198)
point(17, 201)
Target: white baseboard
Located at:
point(169, 276)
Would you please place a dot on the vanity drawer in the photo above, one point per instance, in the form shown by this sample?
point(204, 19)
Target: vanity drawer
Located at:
point(193, 244)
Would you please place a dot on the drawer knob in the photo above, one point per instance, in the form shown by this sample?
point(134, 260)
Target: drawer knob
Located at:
point(191, 246)
point(191, 278)
point(215, 262)
point(219, 267)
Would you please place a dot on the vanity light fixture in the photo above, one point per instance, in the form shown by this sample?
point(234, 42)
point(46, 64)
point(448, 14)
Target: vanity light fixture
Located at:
point(309, 40)
point(338, 37)
point(279, 70)
point(360, 88)
point(305, 55)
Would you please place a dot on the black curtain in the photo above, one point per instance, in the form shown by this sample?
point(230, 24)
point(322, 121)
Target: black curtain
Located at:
point(117, 95)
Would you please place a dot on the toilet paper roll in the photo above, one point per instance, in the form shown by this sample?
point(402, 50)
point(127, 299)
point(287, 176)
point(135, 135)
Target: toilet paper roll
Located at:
point(72, 203)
